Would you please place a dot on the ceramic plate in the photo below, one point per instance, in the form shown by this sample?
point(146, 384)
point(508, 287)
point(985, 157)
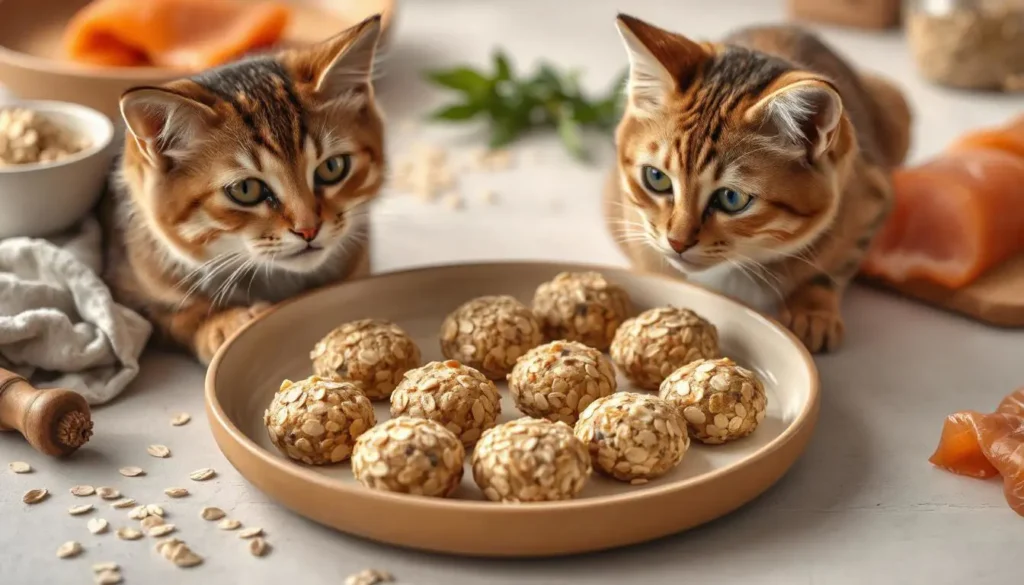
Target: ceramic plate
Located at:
point(708, 483)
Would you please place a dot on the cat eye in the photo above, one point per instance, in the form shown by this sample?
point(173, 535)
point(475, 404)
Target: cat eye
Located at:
point(248, 192)
point(333, 170)
point(656, 181)
point(730, 200)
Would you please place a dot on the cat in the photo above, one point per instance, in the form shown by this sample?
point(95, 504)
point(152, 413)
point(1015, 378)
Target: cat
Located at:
point(245, 185)
point(759, 167)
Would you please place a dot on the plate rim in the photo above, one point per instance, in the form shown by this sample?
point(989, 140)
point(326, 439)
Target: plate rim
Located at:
point(217, 416)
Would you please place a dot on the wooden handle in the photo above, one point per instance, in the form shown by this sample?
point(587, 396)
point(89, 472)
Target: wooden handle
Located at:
point(54, 421)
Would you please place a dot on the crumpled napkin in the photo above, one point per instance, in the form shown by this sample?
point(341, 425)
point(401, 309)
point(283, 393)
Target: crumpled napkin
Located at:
point(59, 325)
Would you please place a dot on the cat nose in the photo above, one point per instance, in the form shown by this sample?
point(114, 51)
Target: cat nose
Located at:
point(681, 247)
point(308, 233)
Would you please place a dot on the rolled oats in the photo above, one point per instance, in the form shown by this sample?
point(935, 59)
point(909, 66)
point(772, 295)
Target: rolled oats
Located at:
point(409, 455)
point(202, 474)
point(151, 521)
point(131, 471)
point(109, 577)
point(178, 552)
point(457, 396)
point(530, 460)
point(79, 510)
point(180, 419)
point(126, 503)
point(659, 341)
point(250, 532)
point(109, 566)
point(108, 493)
point(138, 513)
point(159, 530)
point(259, 547)
point(35, 496)
point(720, 400)
point(633, 437)
point(69, 549)
point(229, 524)
point(83, 490)
point(19, 467)
point(97, 525)
point(583, 307)
point(127, 533)
point(176, 492)
point(160, 451)
point(317, 421)
point(28, 137)
point(373, 354)
point(489, 333)
point(210, 513)
point(369, 577)
point(558, 380)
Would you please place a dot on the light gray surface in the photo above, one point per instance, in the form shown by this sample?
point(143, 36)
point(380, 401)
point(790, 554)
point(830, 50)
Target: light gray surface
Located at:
point(862, 506)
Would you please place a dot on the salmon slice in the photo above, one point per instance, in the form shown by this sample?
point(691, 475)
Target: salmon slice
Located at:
point(189, 35)
point(954, 218)
point(986, 445)
point(1007, 138)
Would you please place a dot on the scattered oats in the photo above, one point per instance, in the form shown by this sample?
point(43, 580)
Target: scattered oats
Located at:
point(655, 343)
point(128, 534)
point(202, 474)
point(100, 567)
point(83, 490)
point(126, 503)
point(97, 526)
point(160, 451)
point(178, 553)
point(161, 530)
point(229, 524)
point(259, 547)
point(108, 493)
point(181, 418)
point(558, 380)
point(69, 549)
point(35, 496)
point(20, 467)
point(453, 201)
point(151, 521)
point(155, 510)
point(138, 513)
point(107, 578)
point(79, 510)
point(211, 513)
point(131, 471)
point(369, 577)
point(489, 333)
point(250, 532)
point(176, 492)
point(583, 307)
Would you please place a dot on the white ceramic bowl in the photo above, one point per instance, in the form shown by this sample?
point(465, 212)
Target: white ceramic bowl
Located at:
point(46, 198)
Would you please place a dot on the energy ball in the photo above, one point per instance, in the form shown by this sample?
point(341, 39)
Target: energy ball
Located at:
point(720, 400)
point(458, 397)
point(371, 353)
point(530, 460)
point(317, 421)
point(659, 341)
point(558, 380)
point(581, 306)
point(410, 456)
point(489, 333)
point(633, 437)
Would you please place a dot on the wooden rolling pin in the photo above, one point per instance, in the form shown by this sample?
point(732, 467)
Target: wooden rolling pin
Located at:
point(54, 421)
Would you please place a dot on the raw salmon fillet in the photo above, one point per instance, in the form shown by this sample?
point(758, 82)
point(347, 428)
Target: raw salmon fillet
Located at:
point(954, 218)
point(986, 445)
point(1008, 138)
point(189, 35)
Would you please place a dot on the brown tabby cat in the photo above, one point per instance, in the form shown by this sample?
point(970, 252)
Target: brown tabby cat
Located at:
point(759, 167)
point(244, 185)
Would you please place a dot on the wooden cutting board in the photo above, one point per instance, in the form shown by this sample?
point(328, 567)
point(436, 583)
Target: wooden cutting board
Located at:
point(997, 298)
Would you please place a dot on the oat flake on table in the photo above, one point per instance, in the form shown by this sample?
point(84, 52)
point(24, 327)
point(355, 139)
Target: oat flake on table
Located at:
point(126, 503)
point(108, 493)
point(229, 524)
point(160, 451)
point(83, 490)
point(128, 534)
point(79, 510)
point(250, 532)
point(131, 471)
point(97, 525)
point(176, 492)
point(35, 496)
point(69, 549)
point(107, 578)
point(161, 530)
point(259, 547)
point(180, 419)
point(369, 577)
point(20, 467)
point(211, 513)
point(202, 474)
point(110, 566)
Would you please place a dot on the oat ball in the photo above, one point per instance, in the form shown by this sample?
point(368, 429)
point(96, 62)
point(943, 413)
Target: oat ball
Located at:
point(720, 400)
point(530, 460)
point(558, 380)
point(371, 353)
point(633, 437)
point(410, 456)
point(657, 342)
point(490, 333)
point(317, 421)
point(457, 396)
point(581, 306)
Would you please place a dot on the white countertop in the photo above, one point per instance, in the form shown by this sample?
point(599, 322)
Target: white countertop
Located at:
point(863, 505)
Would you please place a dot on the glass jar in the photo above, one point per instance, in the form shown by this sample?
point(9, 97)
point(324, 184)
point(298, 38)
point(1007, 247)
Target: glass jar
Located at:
point(969, 44)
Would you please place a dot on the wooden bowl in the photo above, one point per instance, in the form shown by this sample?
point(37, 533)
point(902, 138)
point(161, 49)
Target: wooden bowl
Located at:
point(32, 65)
point(709, 482)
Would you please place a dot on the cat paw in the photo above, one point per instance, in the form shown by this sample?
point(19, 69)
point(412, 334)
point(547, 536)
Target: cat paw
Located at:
point(221, 326)
point(820, 330)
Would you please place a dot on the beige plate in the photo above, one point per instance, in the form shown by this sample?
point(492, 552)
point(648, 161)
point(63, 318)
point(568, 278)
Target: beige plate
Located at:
point(32, 65)
point(710, 481)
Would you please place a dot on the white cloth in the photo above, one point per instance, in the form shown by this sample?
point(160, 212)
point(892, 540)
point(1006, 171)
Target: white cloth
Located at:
point(59, 325)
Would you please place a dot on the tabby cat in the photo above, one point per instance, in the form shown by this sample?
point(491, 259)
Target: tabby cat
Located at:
point(245, 185)
point(759, 167)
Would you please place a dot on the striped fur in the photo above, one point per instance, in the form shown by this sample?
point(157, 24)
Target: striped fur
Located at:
point(772, 113)
point(200, 264)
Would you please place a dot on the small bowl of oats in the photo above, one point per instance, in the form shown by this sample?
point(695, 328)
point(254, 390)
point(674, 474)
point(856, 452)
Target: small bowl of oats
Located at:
point(54, 161)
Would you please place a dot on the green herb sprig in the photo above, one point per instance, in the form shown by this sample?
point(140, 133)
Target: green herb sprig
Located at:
point(514, 104)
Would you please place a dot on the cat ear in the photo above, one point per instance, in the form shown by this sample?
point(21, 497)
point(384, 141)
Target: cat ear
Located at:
point(660, 62)
point(165, 122)
point(803, 114)
point(346, 60)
